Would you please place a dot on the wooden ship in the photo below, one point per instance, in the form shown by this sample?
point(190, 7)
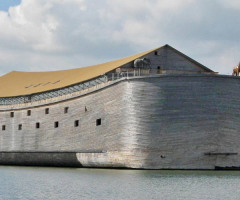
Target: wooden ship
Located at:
point(158, 109)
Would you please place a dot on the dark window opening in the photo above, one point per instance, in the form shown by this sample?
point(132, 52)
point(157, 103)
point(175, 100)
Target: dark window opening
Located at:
point(20, 127)
point(66, 110)
point(162, 156)
point(76, 123)
point(3, 127)
point(37, 125)
point(56, 124)
point(98, 122)
point(159, 69)
point(47, 111)
point(12, 114)
point(29, 113)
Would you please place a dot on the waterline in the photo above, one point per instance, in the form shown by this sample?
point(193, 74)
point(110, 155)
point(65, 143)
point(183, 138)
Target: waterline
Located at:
point(78, 183)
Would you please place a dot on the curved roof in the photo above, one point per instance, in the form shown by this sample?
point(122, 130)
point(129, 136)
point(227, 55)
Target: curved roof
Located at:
point(18, 83)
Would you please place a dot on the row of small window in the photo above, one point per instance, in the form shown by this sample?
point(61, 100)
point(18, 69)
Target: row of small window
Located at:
point(46, 112)
point(56, 124)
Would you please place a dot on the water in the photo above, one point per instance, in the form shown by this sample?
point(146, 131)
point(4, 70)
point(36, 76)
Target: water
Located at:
point(63, 183)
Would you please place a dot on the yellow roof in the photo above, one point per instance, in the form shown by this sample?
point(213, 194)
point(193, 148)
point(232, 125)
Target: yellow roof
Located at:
point(18, 83)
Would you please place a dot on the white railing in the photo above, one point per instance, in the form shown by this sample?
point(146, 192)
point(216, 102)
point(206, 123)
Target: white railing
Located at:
point(82, 88)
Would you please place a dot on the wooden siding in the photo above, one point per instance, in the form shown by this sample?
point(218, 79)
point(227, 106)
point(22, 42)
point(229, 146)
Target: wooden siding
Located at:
point(169, 59)
point(156, 122)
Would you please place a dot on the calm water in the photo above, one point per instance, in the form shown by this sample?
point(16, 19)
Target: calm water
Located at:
point(61, 183)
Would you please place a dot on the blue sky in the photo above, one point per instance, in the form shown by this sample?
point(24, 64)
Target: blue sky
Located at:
point(5, 4)
point(44, 35)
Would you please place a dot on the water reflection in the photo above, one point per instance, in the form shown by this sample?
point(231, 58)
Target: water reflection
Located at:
point(63, 183)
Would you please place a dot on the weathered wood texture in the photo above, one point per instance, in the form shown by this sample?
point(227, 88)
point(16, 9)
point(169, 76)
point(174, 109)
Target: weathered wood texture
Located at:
point(177, 119)
point(160, 122)
point(169, 59)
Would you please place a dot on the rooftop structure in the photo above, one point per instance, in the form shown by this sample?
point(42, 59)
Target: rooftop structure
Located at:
point(18, 83)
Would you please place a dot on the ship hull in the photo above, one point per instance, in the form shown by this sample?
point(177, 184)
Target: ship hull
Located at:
point(162, 122)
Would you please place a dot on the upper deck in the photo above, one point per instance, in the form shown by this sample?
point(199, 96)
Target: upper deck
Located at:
point(18, 88)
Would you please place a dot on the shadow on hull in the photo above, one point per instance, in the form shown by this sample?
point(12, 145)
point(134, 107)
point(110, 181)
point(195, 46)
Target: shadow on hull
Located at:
point(66, 159)
point(227, 168)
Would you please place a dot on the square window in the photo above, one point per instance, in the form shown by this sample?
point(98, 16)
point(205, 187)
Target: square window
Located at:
point(66, 110)
point(29, 113)
point(98, 122)
point(56, 124)
point(12, 114)
point(76, 123)
point(3, 127)
point(20, 127)
point(37, 125)
point(47, 111)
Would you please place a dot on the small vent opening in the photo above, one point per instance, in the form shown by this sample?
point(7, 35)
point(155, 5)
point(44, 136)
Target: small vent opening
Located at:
point(12, 114)
point(37, 125)
point(47, 111)
point(20, 127)
point(29, 113)
point(56, 124)
point(66, 110)
point(76, 123)
point(98, 122)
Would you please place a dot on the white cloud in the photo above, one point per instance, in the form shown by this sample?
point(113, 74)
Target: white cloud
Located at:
point(234, 4)
point(53, 34)
point(29, 26)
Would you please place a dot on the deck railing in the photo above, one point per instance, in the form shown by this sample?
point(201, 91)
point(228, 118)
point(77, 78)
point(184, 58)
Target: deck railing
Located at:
point(84, 87)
